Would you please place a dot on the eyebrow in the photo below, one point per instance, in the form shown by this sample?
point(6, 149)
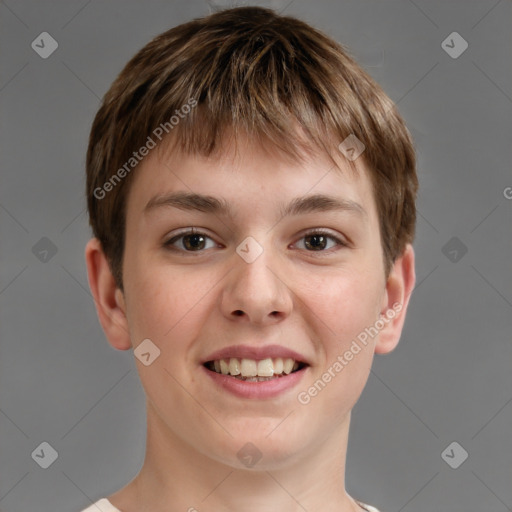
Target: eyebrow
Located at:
point(210, 204)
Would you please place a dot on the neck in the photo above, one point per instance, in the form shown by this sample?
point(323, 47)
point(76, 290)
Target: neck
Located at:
point(176, 477)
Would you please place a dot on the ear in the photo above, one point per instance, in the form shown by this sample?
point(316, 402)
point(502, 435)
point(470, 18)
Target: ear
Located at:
point(399, 286)
point(108, 298)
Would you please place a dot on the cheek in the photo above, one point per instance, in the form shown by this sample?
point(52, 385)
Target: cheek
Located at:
point(158, 297)
point(342, 309)
point(170, 307)
point(344, 303)
point(166, 308)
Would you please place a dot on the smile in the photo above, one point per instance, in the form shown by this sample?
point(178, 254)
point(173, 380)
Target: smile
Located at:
point(255, 371)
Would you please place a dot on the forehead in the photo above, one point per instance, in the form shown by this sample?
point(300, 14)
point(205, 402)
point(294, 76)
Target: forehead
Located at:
point(246, 175)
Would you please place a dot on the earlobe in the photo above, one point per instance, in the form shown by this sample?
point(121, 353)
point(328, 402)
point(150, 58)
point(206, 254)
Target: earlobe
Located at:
point(399, 287)
point(108, 299)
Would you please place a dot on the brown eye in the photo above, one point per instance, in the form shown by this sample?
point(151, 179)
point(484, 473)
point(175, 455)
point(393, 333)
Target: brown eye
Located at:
point(194, 242)
point(318, 241)
point(315, 242)
point(189, 241)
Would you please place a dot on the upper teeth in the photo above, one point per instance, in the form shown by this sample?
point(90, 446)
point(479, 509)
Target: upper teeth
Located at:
point(252, 368)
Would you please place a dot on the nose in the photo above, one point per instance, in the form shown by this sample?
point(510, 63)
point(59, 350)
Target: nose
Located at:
point(257, 292)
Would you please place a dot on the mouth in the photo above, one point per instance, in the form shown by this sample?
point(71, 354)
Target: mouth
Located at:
point(255, 370)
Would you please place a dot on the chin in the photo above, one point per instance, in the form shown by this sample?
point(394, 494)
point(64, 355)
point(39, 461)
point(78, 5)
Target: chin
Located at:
point(256, 450)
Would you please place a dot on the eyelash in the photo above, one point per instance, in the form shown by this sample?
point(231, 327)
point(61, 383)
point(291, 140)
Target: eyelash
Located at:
point(319, 232)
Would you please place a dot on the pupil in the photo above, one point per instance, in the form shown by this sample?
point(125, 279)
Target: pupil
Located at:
point(317, 244)
point(193, 245)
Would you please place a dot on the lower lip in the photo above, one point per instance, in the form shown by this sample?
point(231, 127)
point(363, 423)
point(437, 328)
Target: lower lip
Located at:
point(257, 390)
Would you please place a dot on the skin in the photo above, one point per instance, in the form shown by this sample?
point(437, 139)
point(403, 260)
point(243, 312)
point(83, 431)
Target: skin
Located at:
point(192, 303)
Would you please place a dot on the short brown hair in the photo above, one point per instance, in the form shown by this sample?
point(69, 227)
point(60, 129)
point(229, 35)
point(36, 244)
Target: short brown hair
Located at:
point(253, 70)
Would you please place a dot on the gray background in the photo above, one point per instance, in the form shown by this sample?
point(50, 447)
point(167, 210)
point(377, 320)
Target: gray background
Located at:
point(448, 380)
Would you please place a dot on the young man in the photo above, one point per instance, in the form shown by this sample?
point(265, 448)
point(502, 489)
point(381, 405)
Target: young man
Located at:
point(252, 196)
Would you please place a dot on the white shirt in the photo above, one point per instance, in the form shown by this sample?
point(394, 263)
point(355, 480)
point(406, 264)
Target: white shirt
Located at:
point(104, 505)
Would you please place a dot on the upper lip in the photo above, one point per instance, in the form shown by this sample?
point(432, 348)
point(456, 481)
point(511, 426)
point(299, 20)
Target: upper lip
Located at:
point(252, 352)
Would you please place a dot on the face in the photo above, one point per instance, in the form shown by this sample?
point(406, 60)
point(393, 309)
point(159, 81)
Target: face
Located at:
point(254, 284)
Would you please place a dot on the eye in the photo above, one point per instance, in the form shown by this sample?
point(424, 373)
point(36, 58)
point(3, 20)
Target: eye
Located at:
point(193, 240)
point(317, 241)
point(190, 241)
